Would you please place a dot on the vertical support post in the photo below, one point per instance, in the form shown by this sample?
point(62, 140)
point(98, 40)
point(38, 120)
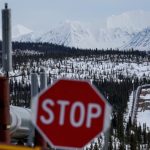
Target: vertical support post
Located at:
point(43, 79)
point(133, 89)
point(106, 140)
point(34, 91)
point(6, 40)
point(34, 84)
point(43, 84)
point(4, 110)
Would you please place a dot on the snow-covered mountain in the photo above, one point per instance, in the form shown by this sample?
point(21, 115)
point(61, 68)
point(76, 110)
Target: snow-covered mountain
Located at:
point(75, 34)
point(130, 20)
point(17, 32)
point(123, 31)
point(113, 38)
point(72, 34)
point(140, 41)
point(29, 37)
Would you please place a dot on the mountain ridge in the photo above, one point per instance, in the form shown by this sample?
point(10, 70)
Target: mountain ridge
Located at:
point(140, 41)
point(75, 34)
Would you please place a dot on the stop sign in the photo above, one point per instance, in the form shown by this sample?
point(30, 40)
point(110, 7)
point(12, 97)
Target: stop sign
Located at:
point(70, 113)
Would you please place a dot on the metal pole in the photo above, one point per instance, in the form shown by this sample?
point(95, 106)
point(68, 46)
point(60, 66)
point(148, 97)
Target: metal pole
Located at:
point(133, 89)
point(43, 84)
point(4, 81)
point(34, 84)
point(6, 40)
point(4, 110)
point(43, 79)
point(106, 139)
point(34, 91)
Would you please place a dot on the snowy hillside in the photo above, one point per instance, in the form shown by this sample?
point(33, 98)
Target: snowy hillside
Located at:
point(143, 112)
point(140, 41)
point(142, 108)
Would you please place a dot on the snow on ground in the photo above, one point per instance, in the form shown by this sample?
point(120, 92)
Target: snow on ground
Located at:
point(100, 69)
point(143, 117)
point(143, 112)
point(26, 52)
point(86, 68)
point(146, 97)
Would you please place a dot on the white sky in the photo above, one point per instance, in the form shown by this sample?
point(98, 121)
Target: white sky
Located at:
point(43, 14)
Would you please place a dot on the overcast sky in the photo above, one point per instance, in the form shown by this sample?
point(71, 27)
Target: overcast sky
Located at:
point(43, 14)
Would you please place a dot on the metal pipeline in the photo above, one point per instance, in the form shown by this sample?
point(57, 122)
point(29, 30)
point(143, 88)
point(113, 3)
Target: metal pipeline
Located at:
point(20, 119)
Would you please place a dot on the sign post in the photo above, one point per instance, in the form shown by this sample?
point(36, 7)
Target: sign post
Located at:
point(70, 113)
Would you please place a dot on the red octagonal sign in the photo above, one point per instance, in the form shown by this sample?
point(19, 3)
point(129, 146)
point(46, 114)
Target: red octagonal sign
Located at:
point(70, 113)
